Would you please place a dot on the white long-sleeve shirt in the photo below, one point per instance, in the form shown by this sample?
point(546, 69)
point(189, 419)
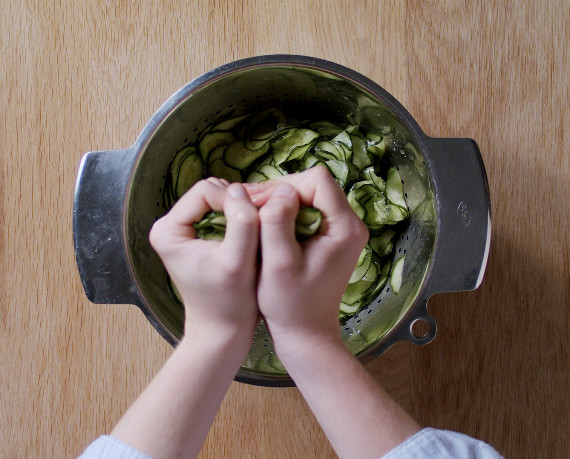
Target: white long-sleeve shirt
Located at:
point(427, 443)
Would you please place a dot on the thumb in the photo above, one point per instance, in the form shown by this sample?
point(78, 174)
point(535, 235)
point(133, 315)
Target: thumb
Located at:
point(242, 225)
point(279, 246)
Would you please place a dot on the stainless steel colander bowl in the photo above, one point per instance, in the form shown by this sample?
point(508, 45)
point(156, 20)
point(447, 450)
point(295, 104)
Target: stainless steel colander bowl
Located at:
point(118, 196)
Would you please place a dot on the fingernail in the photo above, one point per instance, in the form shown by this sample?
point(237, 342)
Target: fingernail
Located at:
point(283, 190)
point(237, 191)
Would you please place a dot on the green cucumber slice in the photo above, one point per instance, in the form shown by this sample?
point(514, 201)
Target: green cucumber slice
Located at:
point(396, 274)
point(362, 265)
point(187, 168)
point(382, 244)
point(219, 169)
point(256, 177)
point(214, 139)
point(394, 190)
point(300, 140)
point(236, 155)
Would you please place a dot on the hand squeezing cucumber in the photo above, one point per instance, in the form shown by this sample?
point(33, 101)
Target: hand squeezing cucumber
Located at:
point(267, 145)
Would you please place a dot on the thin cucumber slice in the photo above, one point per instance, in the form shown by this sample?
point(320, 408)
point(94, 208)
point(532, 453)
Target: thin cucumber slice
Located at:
point(214, 139)
point(396, 274)
point(236, 155)
point(311, 161)
point(394, 191)
point(360, 157)
point(256, 177)
point(217, 153)
point(362, 265)
point(219, 169)
point(326, 128)
point(339, 170)
point(269, 363)
point(262, 127)
point(343, 138)
point(283, 150)
point(307, 222)
point(331, 150)
point(189, 169)
point(369, 174)
point(271, 172)
point(231, 124)
point(382, 244)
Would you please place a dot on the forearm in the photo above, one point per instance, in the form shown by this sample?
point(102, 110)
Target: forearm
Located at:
point(357, 415)
point(172, 417)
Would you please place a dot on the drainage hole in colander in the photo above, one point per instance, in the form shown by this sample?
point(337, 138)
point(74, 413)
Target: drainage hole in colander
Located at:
point(420, 328)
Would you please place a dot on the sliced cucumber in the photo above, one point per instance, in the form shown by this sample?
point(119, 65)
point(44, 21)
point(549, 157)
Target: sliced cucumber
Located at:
point(394, 191)
point(267, 145)
point(382, 245)
point(396, 274)
point(307, 222)
point(236, 155)
point(186, 169)
point(293, 146)
point(271, 172)
point(255, 177)
point(214, 139)
point(219, 169)
point(362, 265)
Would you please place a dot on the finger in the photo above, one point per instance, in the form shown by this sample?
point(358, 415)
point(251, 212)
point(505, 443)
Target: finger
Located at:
point(219, 182)
point(279, 246)
point(191, 208)
point(242, 225)
point(316, 188)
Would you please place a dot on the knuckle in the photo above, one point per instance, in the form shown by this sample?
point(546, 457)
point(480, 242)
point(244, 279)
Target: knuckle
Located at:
point(321, 172)
point(276, 212)
point(201, 186)
point(244, 216)
point(360, 231)
point(156, 235)
point(355, 231)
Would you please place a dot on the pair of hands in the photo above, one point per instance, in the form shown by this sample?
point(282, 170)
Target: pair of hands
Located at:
point(297, 287)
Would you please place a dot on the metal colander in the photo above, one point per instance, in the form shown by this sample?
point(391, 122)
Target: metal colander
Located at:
point(119, 195)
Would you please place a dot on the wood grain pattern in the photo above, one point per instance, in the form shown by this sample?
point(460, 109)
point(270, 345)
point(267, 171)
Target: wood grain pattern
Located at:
point(80, 76)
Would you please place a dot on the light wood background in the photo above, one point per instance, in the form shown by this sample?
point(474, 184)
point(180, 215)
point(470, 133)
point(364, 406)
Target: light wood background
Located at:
point(87, 75)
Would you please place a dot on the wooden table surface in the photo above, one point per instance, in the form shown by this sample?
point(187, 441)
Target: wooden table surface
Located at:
point(80, 76)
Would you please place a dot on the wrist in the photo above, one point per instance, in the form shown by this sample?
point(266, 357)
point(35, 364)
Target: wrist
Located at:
point(231, 338)
point(295, 345)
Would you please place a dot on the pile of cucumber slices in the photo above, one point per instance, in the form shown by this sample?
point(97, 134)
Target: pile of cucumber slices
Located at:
point(267, 145)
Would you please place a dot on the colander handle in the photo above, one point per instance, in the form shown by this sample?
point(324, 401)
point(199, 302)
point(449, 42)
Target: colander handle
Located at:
point(463, 215)
point(98, 227)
